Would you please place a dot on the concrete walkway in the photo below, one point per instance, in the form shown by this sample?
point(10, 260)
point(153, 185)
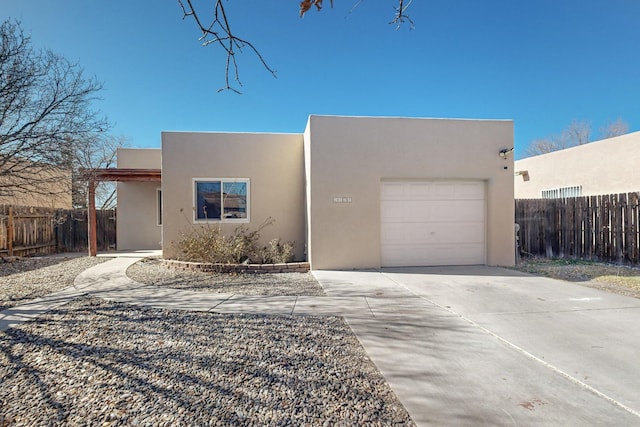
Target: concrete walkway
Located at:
point(109, 281)
point(459, 346)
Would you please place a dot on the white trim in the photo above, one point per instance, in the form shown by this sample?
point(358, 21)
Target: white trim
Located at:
point(561, 192)
point(222, 181)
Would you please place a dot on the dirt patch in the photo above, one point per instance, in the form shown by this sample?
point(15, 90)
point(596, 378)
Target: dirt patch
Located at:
point(619, 279)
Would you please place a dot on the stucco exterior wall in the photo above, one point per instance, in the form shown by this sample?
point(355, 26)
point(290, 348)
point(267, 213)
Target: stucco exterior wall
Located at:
point(50, 189)
point(350, 156)
point(139, 158)
point(601, 167)
point(273, 163)
point(137, 226)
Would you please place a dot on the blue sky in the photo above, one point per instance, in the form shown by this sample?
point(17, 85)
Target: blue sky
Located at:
point(542, 63)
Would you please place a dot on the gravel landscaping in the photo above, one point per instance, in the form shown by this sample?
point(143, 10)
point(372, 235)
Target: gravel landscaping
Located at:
point(24, 279)
point(151, 272)
point(93, 362)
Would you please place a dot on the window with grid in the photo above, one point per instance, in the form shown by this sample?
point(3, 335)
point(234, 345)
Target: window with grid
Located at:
point(562, 192)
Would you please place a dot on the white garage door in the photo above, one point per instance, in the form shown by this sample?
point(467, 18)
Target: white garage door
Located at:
point(432, 223)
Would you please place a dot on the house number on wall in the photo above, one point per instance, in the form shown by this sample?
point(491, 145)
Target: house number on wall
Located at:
point(342, 200)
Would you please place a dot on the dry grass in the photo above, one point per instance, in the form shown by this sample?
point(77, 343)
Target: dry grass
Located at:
point(619, 279)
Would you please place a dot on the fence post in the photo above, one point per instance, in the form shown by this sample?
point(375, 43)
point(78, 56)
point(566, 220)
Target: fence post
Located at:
point(10, 231)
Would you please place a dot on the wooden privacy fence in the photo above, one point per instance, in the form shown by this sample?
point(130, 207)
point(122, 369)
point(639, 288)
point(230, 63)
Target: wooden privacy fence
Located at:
point(30, 230)
point(602, 228)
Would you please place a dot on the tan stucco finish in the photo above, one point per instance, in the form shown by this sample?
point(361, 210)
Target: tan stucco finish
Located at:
point(273, 163)
point(49, 189)
point(297, 178)
point(601, 167)
point(139, 158)
point(350, 156)
point(136, 214)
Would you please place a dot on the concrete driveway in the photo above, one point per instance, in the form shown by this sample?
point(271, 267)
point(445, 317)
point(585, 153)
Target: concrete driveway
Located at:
point(490, 346)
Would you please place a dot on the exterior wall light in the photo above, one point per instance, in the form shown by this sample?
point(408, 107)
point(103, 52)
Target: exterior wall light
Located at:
point(503, 153)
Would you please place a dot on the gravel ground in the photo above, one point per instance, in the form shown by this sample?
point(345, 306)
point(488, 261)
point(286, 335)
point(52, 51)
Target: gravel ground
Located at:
point(91, 362)
point(617, 279)
point(152, 272)
point(28, 278)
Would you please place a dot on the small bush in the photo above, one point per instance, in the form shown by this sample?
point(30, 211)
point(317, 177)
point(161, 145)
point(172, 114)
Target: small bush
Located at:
point(209, 245)
point(276, 252)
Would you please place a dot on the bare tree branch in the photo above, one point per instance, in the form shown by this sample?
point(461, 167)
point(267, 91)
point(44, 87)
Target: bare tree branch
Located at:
point(46, 117)
point(98, 153)
point(577, 133)
point(219, 32)
point(617, 128)
point(401, 15)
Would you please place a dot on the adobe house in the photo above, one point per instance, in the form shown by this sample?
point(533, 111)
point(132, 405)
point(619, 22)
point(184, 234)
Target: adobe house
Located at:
point(608, 166)
point(45, 187)
point(351, 192)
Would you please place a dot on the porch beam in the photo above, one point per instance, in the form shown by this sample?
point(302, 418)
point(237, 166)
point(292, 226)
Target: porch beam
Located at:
point(113, 174)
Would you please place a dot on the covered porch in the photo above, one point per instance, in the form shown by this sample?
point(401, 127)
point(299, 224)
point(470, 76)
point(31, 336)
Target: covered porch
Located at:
point(94, 176)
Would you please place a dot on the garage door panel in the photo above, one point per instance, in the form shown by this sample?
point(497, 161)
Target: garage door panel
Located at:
point(444, 254)
point(472, 209)
point(437, 254)
point(461, 233)
point(392, 191)
point(443, 190)
point(399, 211)
point(419, 190)
point(463, 254)
point(399, 234)
point(432, 223)
point(418, 210)
point(393, 210)
point(457, 233)
point(454, 211)
point(393, 234)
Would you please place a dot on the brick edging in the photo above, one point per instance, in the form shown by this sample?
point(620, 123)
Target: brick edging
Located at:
point(289, 267)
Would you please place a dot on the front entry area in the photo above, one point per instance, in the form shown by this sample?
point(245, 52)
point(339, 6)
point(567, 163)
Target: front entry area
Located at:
point(428, 223)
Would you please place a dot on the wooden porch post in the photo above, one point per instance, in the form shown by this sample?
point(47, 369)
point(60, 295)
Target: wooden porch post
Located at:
point(91, 219)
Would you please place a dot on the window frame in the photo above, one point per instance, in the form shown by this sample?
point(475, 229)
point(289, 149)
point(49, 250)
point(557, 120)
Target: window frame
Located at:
point(561, 192)
point(222, 181)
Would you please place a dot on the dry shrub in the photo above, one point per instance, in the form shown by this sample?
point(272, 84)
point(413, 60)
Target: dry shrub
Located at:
point(209, 245)
point(276, 252)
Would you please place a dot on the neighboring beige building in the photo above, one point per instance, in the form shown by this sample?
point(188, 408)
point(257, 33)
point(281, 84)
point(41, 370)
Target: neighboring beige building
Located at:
point(352, 192)
point(50, 189)
point(607, 166)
